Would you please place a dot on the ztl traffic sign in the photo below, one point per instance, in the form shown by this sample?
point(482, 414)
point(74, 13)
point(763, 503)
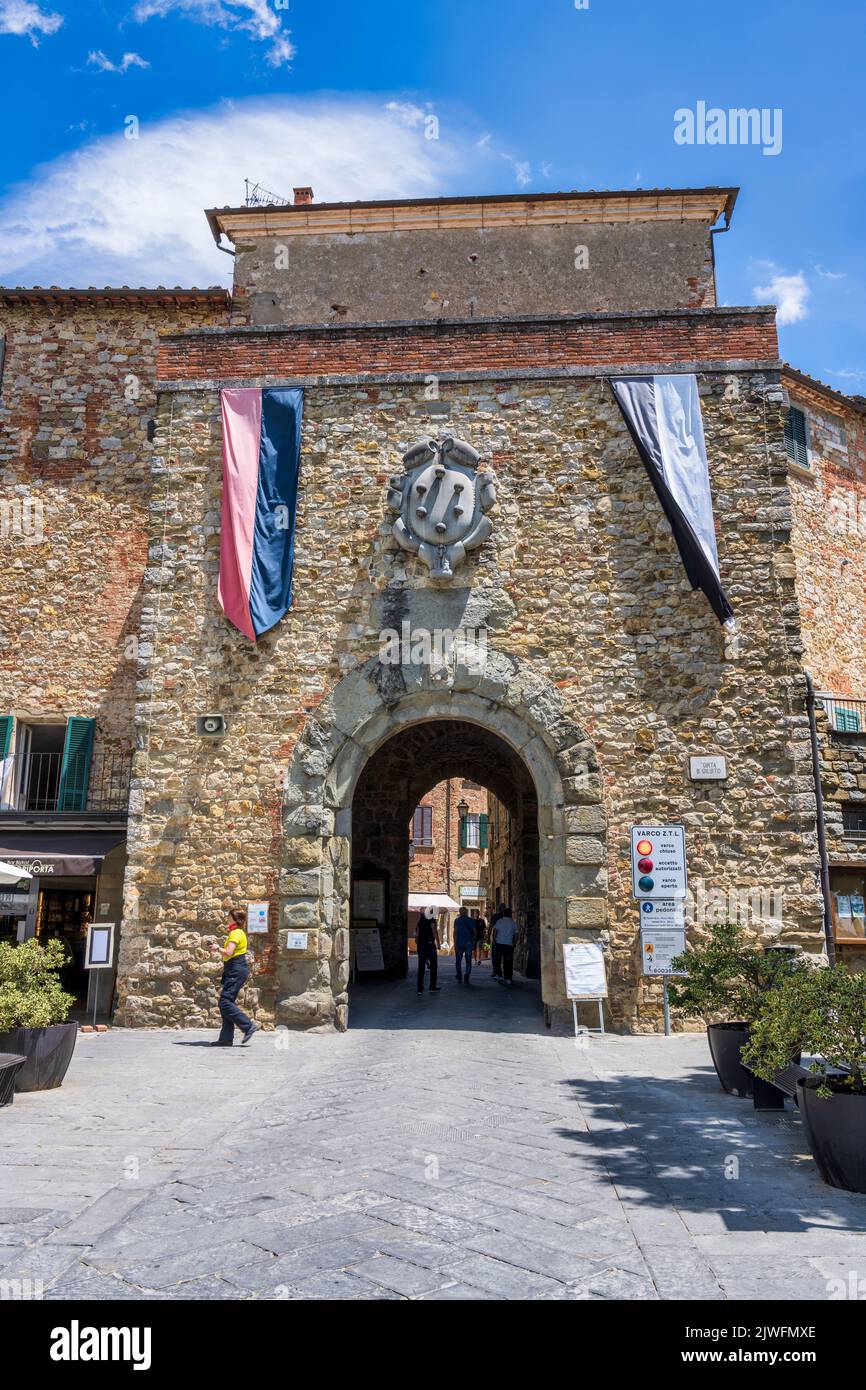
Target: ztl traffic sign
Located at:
point(658, 861)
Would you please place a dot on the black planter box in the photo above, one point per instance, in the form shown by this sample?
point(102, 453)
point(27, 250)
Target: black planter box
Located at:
point(726, 1041)
point(836, 1129)
point(47, 1053)
point(10, 1065)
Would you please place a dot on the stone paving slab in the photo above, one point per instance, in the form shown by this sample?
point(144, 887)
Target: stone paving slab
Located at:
point(477, 1159)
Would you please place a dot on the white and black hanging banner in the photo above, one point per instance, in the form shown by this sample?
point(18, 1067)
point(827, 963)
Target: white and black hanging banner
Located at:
point(663, 414)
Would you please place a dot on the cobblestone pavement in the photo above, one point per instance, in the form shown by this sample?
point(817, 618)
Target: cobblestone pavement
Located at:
point(447, 1147)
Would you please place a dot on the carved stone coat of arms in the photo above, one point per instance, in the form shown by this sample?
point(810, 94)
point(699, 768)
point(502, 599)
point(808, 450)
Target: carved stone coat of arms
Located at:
point(441, 499)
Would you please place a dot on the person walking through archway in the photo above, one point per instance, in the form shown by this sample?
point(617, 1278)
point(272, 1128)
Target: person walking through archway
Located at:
point(480, 935)
point(236, 971)
point(464, 944)
point(504, 936)
point(427, 944)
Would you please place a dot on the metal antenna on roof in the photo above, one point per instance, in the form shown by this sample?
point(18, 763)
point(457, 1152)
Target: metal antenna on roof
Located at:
point(258, 197)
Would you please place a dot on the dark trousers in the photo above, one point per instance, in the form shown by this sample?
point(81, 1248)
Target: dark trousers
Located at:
point(506, 961)
point(427, 955)
point(496, 958)
point(235, 975)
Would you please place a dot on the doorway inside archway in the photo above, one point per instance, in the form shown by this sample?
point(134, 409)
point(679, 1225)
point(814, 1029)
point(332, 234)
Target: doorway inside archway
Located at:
point(445, 811)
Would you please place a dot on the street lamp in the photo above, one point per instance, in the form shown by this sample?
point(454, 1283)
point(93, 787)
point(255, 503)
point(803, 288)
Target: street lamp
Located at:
point(462, 808)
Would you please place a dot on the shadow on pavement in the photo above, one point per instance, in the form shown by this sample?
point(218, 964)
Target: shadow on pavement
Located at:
point(683, 1142)
point(483, 1006)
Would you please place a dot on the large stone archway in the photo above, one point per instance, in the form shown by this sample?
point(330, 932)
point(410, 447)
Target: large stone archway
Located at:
point(362, 712)
point(397, 777)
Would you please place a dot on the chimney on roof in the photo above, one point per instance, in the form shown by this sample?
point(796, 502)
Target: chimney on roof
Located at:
point(302, 195)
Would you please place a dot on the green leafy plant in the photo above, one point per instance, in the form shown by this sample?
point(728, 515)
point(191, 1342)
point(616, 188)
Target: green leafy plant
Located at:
point(31, 995)
point(729, 974)
point(821, 1012)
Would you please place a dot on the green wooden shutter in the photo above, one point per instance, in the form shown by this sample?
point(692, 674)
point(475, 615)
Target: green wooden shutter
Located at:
point(847, 721)
point(796, 440)
point(483, 836)
point(5, 733)
point(75, 767)
point(463, 835)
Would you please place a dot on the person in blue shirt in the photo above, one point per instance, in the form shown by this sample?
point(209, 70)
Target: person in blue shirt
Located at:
point(464, 944)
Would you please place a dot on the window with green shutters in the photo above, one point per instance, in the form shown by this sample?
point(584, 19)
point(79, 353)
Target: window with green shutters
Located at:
point(797, 437)
point(847, 720)
point(5, 734)
point(474, 831)
point(75, 766)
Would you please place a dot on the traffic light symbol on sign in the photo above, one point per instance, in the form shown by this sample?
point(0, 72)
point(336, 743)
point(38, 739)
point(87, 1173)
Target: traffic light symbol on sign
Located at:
point(645, 865)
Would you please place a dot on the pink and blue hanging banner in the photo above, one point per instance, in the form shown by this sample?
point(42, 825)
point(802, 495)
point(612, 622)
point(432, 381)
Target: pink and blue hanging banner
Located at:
point(261, 464)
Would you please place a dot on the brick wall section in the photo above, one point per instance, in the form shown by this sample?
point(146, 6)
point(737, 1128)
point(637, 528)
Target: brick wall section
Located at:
point(829, 541)
point(78, 389)
point(445, 866)
point(711, 335)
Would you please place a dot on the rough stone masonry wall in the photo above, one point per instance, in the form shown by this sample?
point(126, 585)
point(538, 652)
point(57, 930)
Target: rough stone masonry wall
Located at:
point(375, 276)
point(75, 476)
point(843, 779)
point(580, 580)
point(829, 538)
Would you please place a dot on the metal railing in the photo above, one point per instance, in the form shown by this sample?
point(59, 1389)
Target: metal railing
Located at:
point(51, 784)
point(844, 715)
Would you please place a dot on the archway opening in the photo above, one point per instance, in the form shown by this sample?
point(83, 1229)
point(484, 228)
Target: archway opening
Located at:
point(444, 809)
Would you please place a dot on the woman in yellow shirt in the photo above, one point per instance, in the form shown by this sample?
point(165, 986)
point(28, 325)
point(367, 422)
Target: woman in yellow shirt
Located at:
point(233, 953)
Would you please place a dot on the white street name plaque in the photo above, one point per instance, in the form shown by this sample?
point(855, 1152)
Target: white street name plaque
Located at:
point(707, 767)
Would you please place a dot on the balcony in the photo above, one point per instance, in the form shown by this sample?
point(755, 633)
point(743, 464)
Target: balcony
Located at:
point(844, 715)
point(37, 786)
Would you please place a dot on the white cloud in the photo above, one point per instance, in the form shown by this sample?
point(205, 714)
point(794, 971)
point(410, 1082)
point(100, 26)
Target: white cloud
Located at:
point(789, 293)
point(98, 59)
point(521, 167)
point(24, 17)
point(831, 274)
point(120, 211)
point(407, 112)
point(256, 17)
point(852, 374)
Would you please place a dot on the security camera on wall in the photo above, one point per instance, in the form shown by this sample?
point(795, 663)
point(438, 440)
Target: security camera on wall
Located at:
point(210, 725)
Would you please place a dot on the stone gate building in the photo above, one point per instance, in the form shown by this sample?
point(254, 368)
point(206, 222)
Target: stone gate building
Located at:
point(585, 672)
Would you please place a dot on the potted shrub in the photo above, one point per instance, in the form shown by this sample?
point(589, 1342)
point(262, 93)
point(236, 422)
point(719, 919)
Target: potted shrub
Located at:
point(33, 1012)
point(729, 974)
point(823, 1013)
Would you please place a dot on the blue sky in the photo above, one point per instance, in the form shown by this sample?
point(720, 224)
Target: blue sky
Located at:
point(528, 95)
